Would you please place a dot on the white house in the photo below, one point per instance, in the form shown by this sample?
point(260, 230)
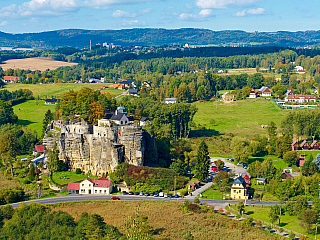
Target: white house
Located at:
point(170, 100)
point(300, 98)
point(264, 92)
point(120, 117)
point(89, 186)
point(253, 94)
point(298, 68)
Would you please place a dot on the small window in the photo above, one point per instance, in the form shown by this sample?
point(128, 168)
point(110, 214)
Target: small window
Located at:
point(100, 191)
point(89, 185)
point(105, 191)
point(239, 191)
point(234, 191)
point(82, 185)
point(95, 191)
point(121, 122)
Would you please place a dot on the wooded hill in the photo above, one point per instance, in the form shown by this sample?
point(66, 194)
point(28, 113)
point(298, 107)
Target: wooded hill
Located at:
point(153, 37)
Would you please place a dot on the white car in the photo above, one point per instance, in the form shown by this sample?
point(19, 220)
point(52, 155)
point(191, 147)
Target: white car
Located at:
point(166, 195)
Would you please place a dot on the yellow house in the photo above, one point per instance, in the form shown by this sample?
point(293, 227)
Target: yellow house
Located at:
point(238, 189)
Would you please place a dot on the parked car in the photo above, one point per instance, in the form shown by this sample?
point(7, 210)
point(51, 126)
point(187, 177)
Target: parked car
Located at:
point(141, 193)
point(124, 193)
point(245, 166)
point(161, 194)
point(136, 193)
point(176, 196)
point(230, 159)
point(115, 198)
point(165, 195)
point(214, 169)
point(146, 194)
point(156, 194)
point(130, 193)
point(170, 195)
point(151, 194)
point(239, 163)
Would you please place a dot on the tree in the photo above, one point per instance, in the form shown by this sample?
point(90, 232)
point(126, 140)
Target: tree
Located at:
point(219, 164)
point(48, 117)
point(202, 162)
point(95, 113)
point(138, 228)
point(240, 207)
point(9, 147)
point(54, 164)
point(223, 180)
point(309, 167)
point(308, 218)
point(291, 158)
point(32, 174)
point(240, 149)
point(283, 145)
point(274, 214)
point(255, 169)
point(6, 113)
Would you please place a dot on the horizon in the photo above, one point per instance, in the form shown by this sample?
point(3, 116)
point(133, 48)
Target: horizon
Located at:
point(33, 16)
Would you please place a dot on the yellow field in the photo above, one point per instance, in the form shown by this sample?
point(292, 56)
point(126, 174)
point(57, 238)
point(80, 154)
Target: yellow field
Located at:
point(239, 71)
point(57, 89)
point(33, 64)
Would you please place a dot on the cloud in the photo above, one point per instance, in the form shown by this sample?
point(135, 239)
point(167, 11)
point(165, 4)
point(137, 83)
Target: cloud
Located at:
point(222, 3)
point(187, 16)
point(205, 12)
point(145, 11)
point(254, 11)
point(122, 14)
point(4, 23)
point(130, 23)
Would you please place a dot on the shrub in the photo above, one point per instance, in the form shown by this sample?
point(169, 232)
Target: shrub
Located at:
point(220, 210)
point(292, 236)
point(269, 227)
point(26, 181)
point(78, 171)
point(195, 208)
point(256, 195)
point(227, 213)
point(259, 224)
point(281, 230)
point(196, 200)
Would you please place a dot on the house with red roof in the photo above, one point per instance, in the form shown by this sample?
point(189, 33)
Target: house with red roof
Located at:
point(38, 149)
point(295, 146)
point(89, 186)
point(10, 79)
point(253, 93)
point(315, 145)
point(305, 145)
point(300, 98)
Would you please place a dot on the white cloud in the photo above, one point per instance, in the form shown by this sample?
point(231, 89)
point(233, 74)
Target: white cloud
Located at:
point(254, 11)
point(187, 16)
point(145, 11)
point(122, 14)
point(135, 23)
point(222, 3)
point(205, 12)
point(4, 23)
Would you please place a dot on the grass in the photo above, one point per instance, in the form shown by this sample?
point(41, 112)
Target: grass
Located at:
point(306, 154)
point(242, 118)
point(213, 193)
point(239, 71)
point(289, 222)
point(31, 114)
point(167, 219)
point(57, 89)
point(63, 178)
point(37, 63)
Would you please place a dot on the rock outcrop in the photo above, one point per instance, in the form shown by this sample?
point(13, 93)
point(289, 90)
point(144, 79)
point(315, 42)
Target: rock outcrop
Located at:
point(98, 149)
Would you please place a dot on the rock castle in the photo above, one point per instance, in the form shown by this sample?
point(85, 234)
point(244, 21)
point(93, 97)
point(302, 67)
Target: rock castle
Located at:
point(100, 148)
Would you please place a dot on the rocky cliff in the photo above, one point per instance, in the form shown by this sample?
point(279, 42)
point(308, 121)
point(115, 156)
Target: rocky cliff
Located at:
point(99, 150)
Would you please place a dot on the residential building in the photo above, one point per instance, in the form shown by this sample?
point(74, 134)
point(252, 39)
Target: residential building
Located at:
point(305, 145)
point(295, 146)
point(10, 79)
point(315, 145)
point(89, 186)
point(300, 98)
point(51, 101)
point(170, 100)
point(228, 97)
point(264, 92)
point(261, 180)
point(239, 189)
point(253, 94)
point(120, 117)
point(298, 68)
point(133, 92)
point(143, 121)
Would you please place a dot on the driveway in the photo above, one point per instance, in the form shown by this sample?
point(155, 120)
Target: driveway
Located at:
point(229, 166)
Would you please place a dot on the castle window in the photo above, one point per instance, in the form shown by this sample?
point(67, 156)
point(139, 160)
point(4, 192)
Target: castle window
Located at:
point(121, 122)
point(95, 191)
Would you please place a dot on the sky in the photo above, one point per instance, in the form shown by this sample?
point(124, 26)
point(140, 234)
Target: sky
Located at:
point(21, 16)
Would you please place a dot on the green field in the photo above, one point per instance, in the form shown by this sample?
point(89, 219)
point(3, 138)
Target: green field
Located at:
point(289, 222)
point(63, 178)
point(242, 118)
point(57, 89)
point(31, 114)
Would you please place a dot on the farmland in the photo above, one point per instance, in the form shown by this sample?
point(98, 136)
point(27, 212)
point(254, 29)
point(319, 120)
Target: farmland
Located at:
point(37, 63)
point(167, 219)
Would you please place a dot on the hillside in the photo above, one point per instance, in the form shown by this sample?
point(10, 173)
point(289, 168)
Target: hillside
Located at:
point(151, 36)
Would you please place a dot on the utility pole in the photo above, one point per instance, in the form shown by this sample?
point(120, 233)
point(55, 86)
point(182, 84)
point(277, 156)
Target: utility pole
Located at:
point(245, 197)
point(90, 44)
point(175, 183)
point(315, 235)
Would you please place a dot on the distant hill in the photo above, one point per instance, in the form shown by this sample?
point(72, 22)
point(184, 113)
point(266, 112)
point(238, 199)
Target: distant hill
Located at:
point(153, 37)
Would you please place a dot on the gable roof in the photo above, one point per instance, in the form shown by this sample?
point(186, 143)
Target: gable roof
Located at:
point(314, 143)
point(304, 143)
point(133, 91)
point(53, 100)
point(301, 97)
point(240, 180)
point(39, 148)
point(253, 91)
point(10, 78)
point(73, 186)
point(117, 117)
point(89, 179)
point(102, 183)
point(144, 119)
point(294, 143)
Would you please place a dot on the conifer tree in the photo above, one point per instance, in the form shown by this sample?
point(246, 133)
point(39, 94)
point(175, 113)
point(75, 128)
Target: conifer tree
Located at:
point(202, 162)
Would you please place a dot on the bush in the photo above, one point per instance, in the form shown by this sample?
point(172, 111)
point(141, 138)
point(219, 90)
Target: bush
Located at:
point(292, 236)
point(256, 195)
point(26, 181)
point(281, 230)
point(196, 200)
point(78, 171)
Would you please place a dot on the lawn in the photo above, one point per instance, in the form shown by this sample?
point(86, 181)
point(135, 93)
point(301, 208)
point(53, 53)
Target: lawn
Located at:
point(288, 222)
point(31, 114)
point(63, 178)
point(57, 89)
point(306, 154)
point(213, 192)
point(243, 118)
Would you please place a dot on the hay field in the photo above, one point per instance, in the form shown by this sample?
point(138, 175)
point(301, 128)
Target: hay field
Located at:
point(239, 71)
point(37, 63)
point(167, 219)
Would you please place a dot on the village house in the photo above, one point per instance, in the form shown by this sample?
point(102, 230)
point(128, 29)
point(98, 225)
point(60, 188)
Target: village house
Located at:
point(89, 186)
point(10, 79)
point(298, 68)
point(300, 98)
point(143, 121)
point(261, 180)
point(120, 117)
point(133, 92)
point(286, 175)
point(264, 92)
point(238, 189)
point(295, 146)
point(51, 101)
point(193, 186)
point(147, 83)
point(301, 161)
point(253, 94)
point(170, 100)
point(305, 145)
point(38, 149)
point(228, 97)
point(315, 145)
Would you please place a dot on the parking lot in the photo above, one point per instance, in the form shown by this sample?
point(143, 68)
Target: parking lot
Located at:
point(229, 166)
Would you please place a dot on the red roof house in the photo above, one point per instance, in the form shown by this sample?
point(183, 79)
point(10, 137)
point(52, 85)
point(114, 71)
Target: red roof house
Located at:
point(295, 146)
point(89, 186)
point(315, 145)
point(305, 145)
point(39, 148)
point(10, 79)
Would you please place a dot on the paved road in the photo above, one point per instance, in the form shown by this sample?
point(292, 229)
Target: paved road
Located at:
point(131, 198)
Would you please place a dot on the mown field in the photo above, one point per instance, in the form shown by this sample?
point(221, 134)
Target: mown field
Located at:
point(57, 89)
point(37, 63)
point(167, 219)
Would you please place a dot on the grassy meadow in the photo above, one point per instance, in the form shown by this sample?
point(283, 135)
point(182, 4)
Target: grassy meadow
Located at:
point(57, 89)
point(167, 219)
